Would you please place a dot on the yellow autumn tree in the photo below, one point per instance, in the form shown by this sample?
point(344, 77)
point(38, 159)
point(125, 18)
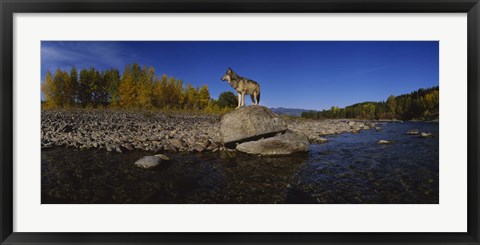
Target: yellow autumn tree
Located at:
point(137, 87)
point(172, 93)
point(204, 97)
point(179, 95)
point(127, 90)
point(57, 88)
point(48, 89)
point(159, 91)
point(190, 97)
point(145, 87)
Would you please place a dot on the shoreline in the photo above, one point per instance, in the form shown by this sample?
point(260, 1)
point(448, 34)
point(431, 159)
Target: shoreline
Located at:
point(122, 130)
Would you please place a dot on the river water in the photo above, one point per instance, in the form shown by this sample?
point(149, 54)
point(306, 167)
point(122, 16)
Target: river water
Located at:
point(349, 168)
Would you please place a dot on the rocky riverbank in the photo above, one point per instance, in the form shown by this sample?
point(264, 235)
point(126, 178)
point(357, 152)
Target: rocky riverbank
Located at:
point(121, 131)
point(315, 129)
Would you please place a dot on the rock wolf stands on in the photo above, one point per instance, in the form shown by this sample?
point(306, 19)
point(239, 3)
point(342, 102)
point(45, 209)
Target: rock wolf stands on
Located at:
point(243, 86)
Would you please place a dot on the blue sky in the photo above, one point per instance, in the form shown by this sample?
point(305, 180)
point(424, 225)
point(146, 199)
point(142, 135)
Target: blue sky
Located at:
point(294, 74)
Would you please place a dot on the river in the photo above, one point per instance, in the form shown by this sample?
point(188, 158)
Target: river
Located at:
point(349, 168)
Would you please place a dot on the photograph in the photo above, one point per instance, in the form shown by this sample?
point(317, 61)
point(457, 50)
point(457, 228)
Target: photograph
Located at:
point(240, 122)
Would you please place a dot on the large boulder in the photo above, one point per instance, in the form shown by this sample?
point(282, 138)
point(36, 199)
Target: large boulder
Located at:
point(282, 144)
point(249, 123)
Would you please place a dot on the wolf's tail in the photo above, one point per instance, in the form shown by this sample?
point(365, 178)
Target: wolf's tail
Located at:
point(253, 97)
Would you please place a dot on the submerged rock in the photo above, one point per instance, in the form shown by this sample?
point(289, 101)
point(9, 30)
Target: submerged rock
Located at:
point(318, 139)
point(426, 135)
point(321, 140)
point(249, 123)
point(413, 132)
point(151, 161)
point(163, 157)
point(384, 142)
point(282, 144)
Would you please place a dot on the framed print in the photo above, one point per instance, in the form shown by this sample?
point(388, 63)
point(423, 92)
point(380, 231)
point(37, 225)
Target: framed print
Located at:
point(239, 122)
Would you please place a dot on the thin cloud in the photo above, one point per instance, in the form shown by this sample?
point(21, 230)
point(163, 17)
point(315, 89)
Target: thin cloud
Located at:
point(58, 54)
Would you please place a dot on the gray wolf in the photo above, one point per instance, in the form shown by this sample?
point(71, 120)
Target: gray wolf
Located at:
point(242, 86)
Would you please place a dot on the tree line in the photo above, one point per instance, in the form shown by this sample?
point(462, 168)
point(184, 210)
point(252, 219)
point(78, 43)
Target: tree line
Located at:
point(137, 87)
point(422, 104)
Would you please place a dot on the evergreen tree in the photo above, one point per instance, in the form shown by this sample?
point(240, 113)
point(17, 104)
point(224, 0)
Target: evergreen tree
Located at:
point(391, 104)
point(74, 86)
point(84, 88)
point(112, 78)
point(420, 104)
point(227, 100)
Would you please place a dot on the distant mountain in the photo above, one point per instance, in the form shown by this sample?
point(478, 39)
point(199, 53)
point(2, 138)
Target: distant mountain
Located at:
point(288, 111)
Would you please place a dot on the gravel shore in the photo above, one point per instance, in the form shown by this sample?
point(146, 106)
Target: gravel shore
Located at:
point(121, 131)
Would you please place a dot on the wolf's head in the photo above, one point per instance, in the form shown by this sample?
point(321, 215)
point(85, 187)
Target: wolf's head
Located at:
point(228, 75)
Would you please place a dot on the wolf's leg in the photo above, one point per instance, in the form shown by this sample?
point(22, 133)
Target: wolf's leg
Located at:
point(243, 98)
point(239, 100)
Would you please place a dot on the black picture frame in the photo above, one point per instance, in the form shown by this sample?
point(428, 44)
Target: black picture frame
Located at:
point(9, 7)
